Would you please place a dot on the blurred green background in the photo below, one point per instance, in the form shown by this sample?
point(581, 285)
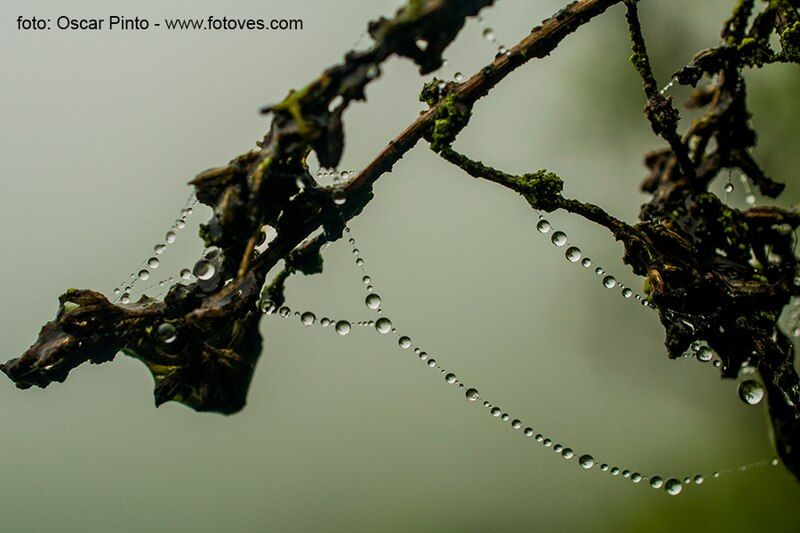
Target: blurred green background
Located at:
point(100, 133)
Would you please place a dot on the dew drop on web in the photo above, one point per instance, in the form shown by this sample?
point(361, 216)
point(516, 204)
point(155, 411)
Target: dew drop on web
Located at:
point(343, 327)
point(559, 238)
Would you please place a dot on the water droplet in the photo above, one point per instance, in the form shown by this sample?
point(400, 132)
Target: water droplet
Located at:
point(268, 306)
point(567, 453)
point(186, 274)
point(614, 470)
point(750, 199)
point(450, 378)
point(373, 301)
point(458, 77)
point(495, 412)
point(516, 424)
point(204, 270)
point(572, 254)
point(715, 474)
point(153, 262)
point(325, 322)
point(528, 432)
point(343, 327)
point(751, 392)
point(547, 443)
point(284, 311)
point(423, 355)
point(586, 262)
point(170, 237)
point(432, 363)
point(774, 461)
point(656, 482)
point(180, 223)
point(636, 477)
point(673, 487)
point(144, 275)
point(339, 196)
point(159, 249)
point(360, 262)
point(627, 292)
point(698, 479)
point(599, 271)
point(604, 467)
point(609, 282)
point(367, 280)
point(472, 394)
point(729, 188)
point(704, 354)
point(626, 473)
point(502, 50)
point(586, 461)
point(488, 34)
point(166, 332)
point(405, 343)
point(345, 174)
point(307, 318)
point(504, 416)
point(559, 238)
point(543, 226)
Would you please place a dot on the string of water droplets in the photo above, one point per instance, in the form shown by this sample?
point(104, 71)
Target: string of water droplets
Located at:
point(573, 254)
point(123, 290)
point(586, 461)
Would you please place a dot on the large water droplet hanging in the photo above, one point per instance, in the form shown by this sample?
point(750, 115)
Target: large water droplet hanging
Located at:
point(609, 282)
point(383, 325)
point(450, 378)
point(404, 342)
point(567, 453)
point(586, 461)
point(170, 237)
point(159, 249)
point(373, 301)
point(144, 275)
point(204, 270)
point(559, 238)
point(153, 262)
point(656, 482)
point(472, 394)
point(673, 487)
point(751, 392)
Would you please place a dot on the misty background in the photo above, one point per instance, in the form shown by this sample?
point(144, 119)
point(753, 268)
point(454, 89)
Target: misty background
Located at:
point(102, 130)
